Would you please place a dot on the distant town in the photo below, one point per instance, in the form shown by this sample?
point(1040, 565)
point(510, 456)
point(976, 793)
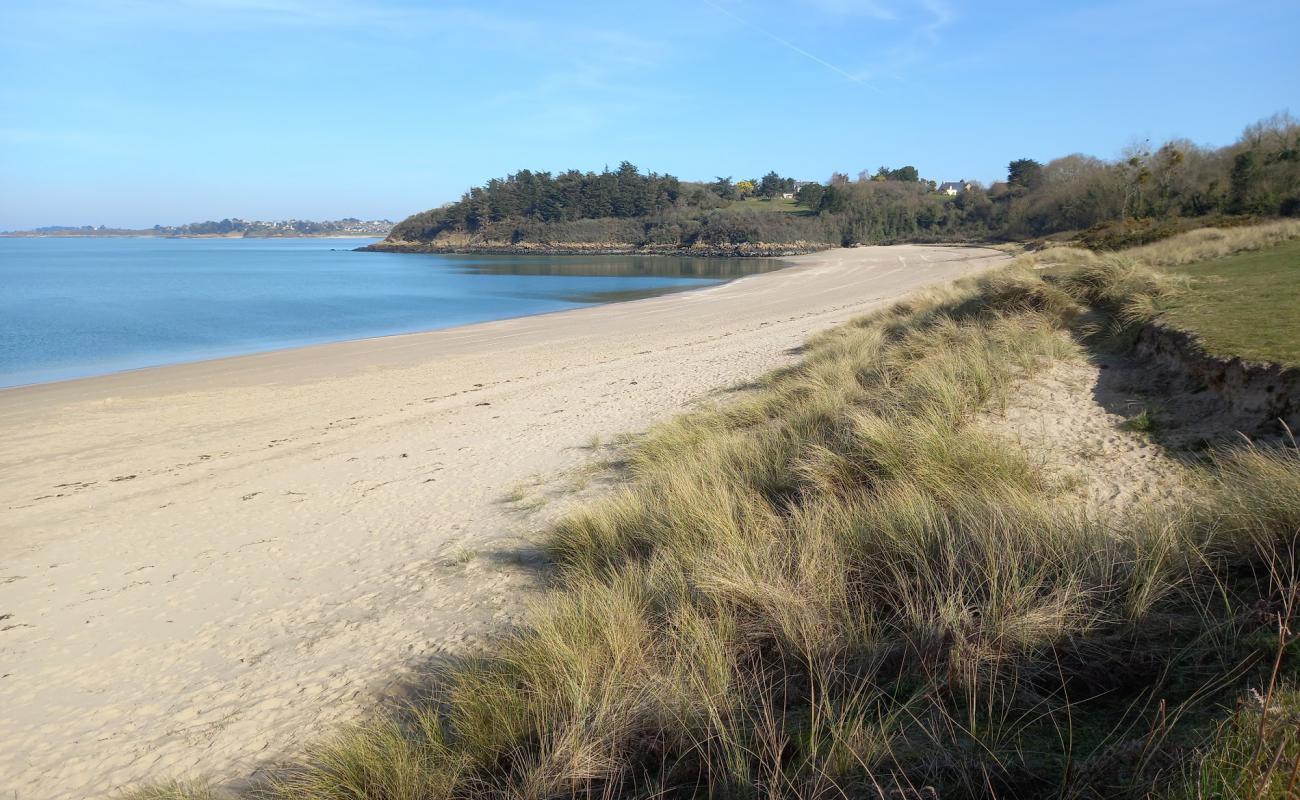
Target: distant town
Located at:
point(234, 228)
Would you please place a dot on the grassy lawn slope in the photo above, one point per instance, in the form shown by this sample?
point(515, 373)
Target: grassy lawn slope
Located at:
point(1246, 305)
point(777, 204)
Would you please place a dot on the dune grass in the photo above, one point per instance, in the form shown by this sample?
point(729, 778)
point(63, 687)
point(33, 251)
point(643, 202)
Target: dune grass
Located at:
point(1202, 244)
point(837, 586)
point(1205, 244)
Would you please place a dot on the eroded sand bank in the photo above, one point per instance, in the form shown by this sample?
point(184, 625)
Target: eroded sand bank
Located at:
point(203, 566)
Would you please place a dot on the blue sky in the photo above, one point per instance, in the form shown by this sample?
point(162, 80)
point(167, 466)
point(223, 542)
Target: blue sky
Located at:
point(136, 112)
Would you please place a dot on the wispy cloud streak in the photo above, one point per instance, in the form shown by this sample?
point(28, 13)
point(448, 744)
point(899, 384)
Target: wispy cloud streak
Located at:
point(792, 46)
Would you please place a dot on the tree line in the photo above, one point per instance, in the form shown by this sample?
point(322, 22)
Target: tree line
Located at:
point(1147, 191)
point(1256, 176)
point(528, 196)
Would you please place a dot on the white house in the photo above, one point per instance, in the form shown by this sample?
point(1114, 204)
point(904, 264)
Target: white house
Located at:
point(954, 188)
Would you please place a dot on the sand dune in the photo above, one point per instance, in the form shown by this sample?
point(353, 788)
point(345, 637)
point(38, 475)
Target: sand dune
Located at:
point(202, 566)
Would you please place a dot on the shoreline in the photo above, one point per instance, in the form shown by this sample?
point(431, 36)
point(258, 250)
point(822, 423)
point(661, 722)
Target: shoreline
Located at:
point(756, 250)
point(142, 235)
point(304, 347)
point(208, 565)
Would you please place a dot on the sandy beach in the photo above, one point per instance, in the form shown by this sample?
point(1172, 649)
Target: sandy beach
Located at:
point(204, 566)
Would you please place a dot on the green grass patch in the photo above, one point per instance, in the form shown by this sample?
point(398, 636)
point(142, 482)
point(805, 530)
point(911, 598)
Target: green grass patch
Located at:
point(1245, 305)
point(1142, 423)
point(776, 204)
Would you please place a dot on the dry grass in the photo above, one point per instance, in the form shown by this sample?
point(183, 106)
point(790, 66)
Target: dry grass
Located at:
point(1206, 243)
point(837, 587)
point(183, 790)
point(1201, 244)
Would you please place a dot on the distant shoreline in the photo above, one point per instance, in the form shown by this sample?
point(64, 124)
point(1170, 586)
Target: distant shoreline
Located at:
point(754, 250)
point(143, 235)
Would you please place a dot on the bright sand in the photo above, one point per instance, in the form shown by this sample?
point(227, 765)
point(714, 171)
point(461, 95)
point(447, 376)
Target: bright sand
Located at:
point(205, 566)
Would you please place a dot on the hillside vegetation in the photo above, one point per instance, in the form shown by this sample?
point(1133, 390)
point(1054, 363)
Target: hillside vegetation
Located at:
point(839, 585)
point(1144, 196)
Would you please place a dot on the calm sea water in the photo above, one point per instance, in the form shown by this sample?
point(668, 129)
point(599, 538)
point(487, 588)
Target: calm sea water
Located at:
point(74, 307)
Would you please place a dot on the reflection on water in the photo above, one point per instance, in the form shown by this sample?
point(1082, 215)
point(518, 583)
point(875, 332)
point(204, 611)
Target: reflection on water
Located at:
point(621, 295)
point(617, 266)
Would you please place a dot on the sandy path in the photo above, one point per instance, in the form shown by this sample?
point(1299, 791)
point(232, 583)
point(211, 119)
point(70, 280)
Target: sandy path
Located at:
point(1067, 420)
point(205, 565)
